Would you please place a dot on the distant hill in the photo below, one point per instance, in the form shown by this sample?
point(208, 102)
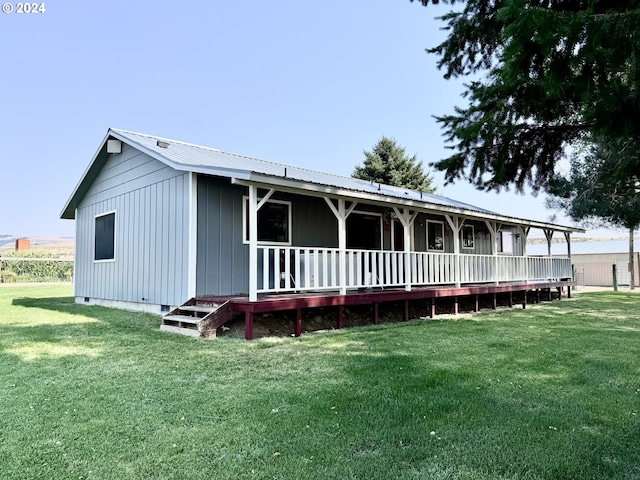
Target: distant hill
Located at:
point(60, 247)
point(7, 239)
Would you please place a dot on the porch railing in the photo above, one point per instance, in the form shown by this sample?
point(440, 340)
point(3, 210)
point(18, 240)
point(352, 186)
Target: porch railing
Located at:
point(293, 269)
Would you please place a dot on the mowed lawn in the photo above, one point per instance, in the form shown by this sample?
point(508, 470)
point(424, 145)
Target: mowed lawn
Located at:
point(550, 392)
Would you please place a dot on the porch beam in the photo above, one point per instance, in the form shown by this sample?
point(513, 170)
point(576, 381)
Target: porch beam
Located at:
point(295, 186)
point(264, 199)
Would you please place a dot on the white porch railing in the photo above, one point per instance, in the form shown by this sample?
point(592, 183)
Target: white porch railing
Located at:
point(297, 269)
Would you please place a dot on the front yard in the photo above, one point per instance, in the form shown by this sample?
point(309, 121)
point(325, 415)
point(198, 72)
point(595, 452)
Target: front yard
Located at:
point(552, 391)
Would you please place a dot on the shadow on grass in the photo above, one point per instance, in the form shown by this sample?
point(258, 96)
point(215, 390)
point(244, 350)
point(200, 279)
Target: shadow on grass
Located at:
point(57, 327)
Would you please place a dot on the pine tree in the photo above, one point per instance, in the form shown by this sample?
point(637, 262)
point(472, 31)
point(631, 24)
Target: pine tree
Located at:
point(387, 163)
point(546, 74)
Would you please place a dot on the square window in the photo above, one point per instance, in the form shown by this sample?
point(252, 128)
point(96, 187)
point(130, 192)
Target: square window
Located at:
point(105, 237)
point(274, 222)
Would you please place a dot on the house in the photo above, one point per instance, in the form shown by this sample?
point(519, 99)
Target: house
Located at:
point(160, 222)
point(593, 260)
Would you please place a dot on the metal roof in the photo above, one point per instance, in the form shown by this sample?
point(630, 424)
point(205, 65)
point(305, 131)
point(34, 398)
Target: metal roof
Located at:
point(196, 158)
point(188, 156)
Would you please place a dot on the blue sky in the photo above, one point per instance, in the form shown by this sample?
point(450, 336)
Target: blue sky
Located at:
point(311, 84)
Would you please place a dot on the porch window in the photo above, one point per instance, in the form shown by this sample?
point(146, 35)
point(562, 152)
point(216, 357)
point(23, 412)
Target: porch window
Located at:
point(505, 242)
point(364, 231)
point(104, 234)
point(468, 237)
point(435, 236)
point(274, 222)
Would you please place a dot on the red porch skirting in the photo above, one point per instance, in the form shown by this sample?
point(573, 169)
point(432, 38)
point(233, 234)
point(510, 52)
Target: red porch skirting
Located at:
point(274, 303)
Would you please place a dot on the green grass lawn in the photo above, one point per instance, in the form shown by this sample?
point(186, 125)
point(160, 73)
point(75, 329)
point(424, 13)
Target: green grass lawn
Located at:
point(551, 392)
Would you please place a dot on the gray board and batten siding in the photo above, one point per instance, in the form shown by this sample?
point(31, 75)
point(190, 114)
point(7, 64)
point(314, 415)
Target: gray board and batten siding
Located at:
point(223, 254)
point(150, 201)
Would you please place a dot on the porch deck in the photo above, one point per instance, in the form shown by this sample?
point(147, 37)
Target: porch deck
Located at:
point(298, 301)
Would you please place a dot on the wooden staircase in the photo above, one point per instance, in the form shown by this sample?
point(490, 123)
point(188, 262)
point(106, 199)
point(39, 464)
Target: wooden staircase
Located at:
point(197, 318)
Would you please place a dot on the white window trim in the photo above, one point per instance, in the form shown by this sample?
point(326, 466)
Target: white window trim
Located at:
point(427, 236)
point(473, 236)
point(245, 214)
point(115, 236)
point(372, 214)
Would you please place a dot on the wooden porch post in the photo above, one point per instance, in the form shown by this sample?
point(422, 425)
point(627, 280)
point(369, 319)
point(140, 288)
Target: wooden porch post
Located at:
point(253, 243)
point(525, 235)
point(493, 231)
point(548, 233)
point(341, 213)
point(567, 237)
point(455, 224)
point(406, 218)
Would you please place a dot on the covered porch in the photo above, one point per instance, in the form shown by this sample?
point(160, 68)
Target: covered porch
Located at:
point(388, 243)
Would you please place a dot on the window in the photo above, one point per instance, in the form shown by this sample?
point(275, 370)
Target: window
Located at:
point(505, 242)
point(435, 236)
point(105, 227)
point(274, 222)
point(364, 231)
point(467, 237)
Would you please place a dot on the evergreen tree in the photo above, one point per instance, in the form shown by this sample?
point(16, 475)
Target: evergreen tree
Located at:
point(546, 74)
point(387, 163)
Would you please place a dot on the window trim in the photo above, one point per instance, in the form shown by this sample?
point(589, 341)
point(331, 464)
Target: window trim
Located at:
point(442, 250)
point(473, 238)
point(115, 226)
point(245, 219)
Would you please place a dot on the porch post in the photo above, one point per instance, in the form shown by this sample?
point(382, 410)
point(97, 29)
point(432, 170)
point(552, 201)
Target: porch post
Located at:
point(548, 233)
point(567, 237)
point(253, 243)
point(493, 231)
point(341, 213)
point(525, 233)
point(342, 244)
point(407, 220)
point(455, 224)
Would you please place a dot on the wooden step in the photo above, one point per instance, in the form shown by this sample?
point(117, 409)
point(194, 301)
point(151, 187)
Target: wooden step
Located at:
point(183, 319)
point(182, 331)
point(198, 308)
point(197, 319)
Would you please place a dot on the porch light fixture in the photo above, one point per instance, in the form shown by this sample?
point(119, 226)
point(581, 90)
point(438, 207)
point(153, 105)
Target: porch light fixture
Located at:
point(162, 144)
